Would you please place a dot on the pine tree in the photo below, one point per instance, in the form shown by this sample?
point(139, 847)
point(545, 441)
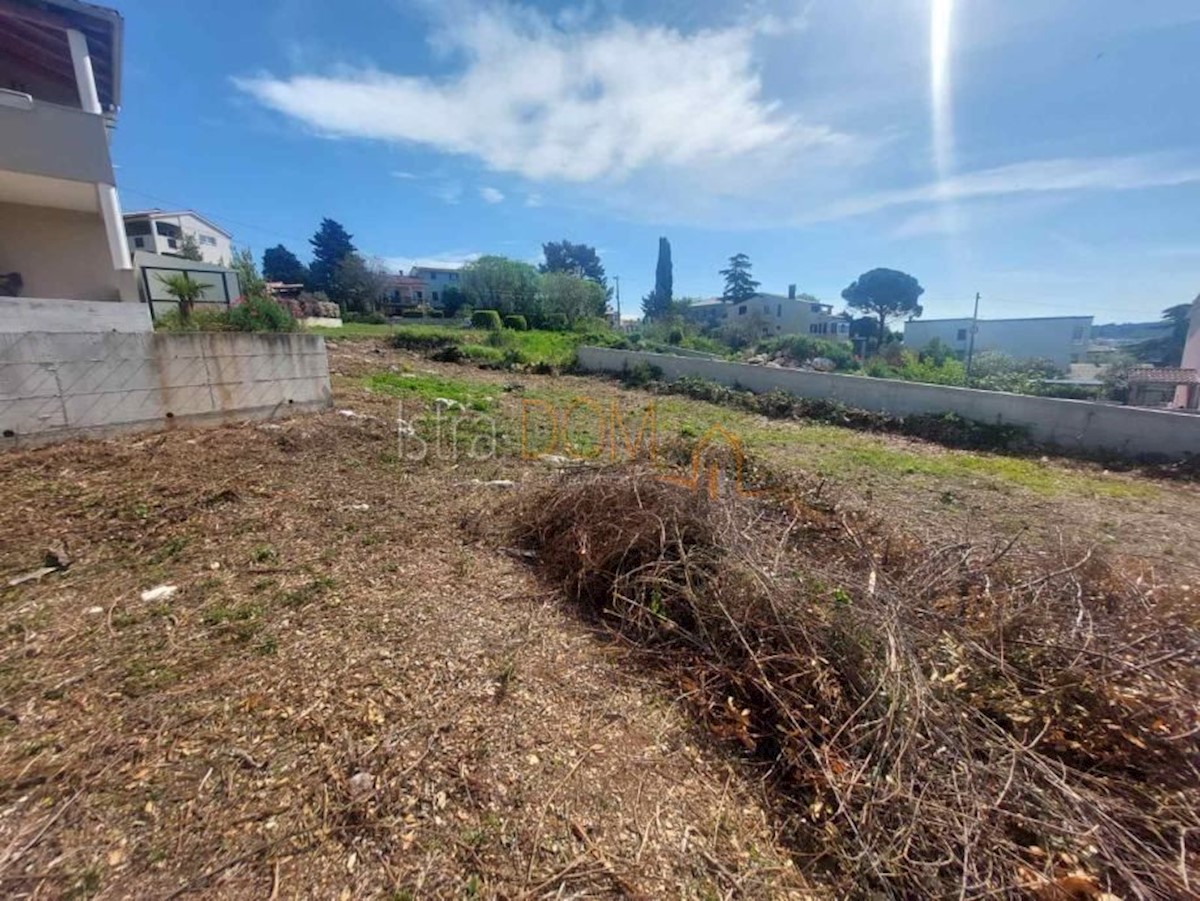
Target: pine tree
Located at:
point(739, 285)
point(281, 265)
point(331, 244)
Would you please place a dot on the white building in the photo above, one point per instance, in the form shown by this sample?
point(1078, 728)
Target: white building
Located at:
point(1061, 339)
point(437, 279)
point(775, 314)
point(162, 231)
point(61, 233)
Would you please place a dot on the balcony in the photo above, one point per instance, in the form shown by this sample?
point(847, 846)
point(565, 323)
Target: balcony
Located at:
point(44, 141)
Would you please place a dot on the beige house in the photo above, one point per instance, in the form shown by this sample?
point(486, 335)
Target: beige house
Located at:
point(163, 231)
point(775, 314)
point(61, 230)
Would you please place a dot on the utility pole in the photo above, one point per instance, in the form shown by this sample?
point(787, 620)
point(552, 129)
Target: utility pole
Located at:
point(971, 341)
point(617, 280)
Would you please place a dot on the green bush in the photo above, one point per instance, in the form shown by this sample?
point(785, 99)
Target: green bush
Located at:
point(486, 319)
point(554, 322)
point(202, 320)
point(412, 313)
point(424, 337)
point(639, 374)
point(675, 336)
point(259, 314)
point(804, 348)
point(375, 318)
point(516, 323)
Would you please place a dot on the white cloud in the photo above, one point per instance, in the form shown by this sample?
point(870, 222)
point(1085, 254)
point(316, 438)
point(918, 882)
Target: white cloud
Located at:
point(450, 192)
point(491, 195)
point(567, 105)
point(1031, 177)
point(533, 200)
point(402, 175)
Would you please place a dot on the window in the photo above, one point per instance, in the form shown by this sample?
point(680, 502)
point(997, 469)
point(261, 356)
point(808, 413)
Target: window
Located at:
point(139, 242)
point(172, 243)
point(1077, 334)
point(815, 308)
point(435, 297)
point(812, 329)
point(139, 227)
point(742, 310)
point(209, 240)
point(962, 334)
point(167, 230)
point(767, 308)
point(779, 311)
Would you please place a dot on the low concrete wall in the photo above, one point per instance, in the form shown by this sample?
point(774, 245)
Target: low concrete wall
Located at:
point(1074, 425)
point(37, 314)
point(320, 322)
point(54, 386)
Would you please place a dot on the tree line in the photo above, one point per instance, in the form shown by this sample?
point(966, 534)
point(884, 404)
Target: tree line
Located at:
point(879, 295)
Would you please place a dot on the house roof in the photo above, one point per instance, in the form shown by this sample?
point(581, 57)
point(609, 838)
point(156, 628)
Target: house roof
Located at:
point(1171, 376)
point(166, 214)
point(35, 33)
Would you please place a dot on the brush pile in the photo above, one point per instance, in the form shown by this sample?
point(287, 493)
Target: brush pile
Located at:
point(930, 721)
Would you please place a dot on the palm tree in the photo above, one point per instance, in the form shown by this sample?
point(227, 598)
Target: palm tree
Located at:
point(183, 289)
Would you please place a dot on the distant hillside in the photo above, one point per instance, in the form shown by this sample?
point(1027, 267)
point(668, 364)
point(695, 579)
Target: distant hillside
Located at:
point(1129, 331)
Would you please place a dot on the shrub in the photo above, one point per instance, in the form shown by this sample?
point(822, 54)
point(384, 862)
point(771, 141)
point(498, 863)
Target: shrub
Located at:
point(375, 318)
point(675, 336)
point(486, 319)
point(516, 322)
point(411, 313)
point(201, 320)
point(501, 339)
point(640, 374)
point(555, 322)
point(260, 314)
point(418, 337)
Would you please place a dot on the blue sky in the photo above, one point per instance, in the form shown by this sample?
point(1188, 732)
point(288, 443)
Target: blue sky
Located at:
point(1045, 154)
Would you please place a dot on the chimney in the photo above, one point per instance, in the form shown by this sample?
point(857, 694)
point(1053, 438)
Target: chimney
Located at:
point(791, 292)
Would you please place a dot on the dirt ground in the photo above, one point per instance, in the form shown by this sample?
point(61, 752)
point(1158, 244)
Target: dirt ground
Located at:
point(352, 694)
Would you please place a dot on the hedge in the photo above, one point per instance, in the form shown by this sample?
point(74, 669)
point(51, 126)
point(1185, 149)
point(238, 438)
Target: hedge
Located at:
point(516, 322)
point(486, 319)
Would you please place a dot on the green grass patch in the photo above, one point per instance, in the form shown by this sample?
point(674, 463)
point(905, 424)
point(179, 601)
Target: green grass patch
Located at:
point(429, 387)
point(353, 331)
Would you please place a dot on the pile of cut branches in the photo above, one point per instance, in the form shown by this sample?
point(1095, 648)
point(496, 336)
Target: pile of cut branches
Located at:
point(932, 721)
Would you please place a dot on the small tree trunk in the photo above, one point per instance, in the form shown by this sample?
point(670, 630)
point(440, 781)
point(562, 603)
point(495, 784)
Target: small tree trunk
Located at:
point(185, 309)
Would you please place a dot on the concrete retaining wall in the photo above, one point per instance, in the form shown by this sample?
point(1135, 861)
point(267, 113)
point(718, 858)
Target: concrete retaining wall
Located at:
point(54, 386)
point(36, 314)
point(1074, 425)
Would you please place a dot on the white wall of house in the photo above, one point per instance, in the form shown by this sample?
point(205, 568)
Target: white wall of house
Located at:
point(61, 253)
point(437, 279)
point(1062, 339)
point(60, 224)
point(162, 233)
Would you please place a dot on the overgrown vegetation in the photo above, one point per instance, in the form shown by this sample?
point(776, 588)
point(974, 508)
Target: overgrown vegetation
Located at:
point(504, 347)
point(933, 722)
point(949, 429)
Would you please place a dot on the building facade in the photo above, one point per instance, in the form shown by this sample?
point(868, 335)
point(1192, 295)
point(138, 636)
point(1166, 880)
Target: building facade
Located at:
point(775, 314)
point(61, 230)
point(162, 232)
point(436, 280)
point(1061, 339)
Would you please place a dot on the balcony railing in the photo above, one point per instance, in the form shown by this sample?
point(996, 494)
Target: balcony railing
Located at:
point(53, 141)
